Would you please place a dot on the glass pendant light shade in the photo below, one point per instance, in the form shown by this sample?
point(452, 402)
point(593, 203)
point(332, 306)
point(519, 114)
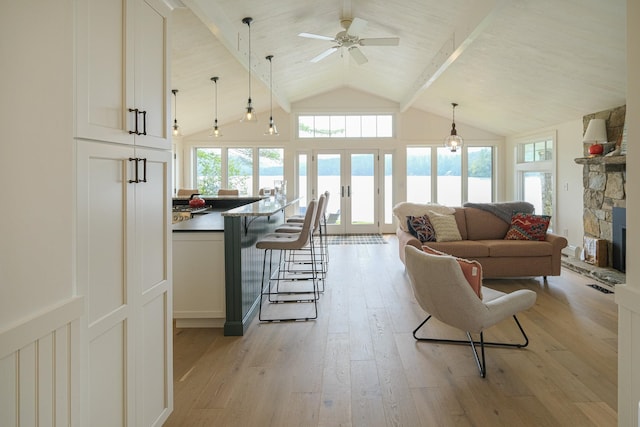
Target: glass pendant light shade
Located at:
point(453, 141)
point(271, 130)
point(175, 128)
point(249, 114)
point(215, 130)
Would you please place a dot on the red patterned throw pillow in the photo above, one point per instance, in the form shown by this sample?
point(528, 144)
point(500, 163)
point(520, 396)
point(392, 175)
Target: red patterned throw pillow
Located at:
point(421, 228)
point(471, 269)
point(528, 227)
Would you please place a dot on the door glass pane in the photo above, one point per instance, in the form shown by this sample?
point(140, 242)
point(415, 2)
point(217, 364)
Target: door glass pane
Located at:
point(329, 180)
point(419, 174)
point(240, 170)
point(538, 190)
point(388, 188)
point(208, 170)
point(480, 175)
point(449, 179)
point(362, 189)
point(270, 166)
point(302, 183)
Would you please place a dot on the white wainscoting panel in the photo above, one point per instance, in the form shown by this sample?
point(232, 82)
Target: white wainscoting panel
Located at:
point(35, 367)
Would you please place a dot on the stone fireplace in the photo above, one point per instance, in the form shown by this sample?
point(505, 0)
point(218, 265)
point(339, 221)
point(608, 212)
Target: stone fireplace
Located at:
point(604, 182)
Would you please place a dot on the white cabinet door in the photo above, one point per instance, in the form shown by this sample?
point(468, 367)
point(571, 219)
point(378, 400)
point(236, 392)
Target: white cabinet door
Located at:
point(105, 224)
point(124, 272)
point(153, 287)
point(122, 72)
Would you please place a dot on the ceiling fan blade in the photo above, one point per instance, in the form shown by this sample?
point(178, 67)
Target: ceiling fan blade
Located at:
point(383, 41)
point(356, 26)
point(316, 36)
point(324, 54)
point(357, 55)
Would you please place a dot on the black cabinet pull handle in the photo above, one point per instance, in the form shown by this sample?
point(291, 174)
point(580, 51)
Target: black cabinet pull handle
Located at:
point(136, 180)
point(134, 110)
point(348, 191)
point(144, 123)
point(144, 170)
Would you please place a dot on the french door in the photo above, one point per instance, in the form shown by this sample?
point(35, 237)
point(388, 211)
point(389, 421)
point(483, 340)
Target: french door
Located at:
point(351, 177)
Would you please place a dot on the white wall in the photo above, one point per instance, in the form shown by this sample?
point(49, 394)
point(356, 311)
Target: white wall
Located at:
point(36, 158)
point(628, 296)
point(38, 313)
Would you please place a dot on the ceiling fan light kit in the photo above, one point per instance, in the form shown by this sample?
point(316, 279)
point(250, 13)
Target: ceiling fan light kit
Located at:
point(453, 141)
point(350, 40)
point(249, 114)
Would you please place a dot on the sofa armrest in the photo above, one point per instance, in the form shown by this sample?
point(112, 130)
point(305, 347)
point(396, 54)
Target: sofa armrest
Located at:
point(405, 238)
point(558, 243)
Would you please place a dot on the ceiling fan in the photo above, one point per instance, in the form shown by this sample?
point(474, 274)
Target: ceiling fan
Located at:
point(349, 39)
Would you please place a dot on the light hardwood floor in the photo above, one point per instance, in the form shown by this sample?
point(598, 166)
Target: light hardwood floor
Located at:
point(358, 364)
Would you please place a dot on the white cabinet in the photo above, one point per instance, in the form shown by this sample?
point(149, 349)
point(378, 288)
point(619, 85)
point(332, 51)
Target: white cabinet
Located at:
point(122, 72)
point(124, 272)
point(198, 279)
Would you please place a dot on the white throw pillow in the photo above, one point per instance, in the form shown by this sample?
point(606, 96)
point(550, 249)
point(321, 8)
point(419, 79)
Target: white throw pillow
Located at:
point(446, 227)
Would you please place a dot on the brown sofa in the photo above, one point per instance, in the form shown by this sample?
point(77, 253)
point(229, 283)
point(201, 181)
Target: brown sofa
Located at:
point(483, 240)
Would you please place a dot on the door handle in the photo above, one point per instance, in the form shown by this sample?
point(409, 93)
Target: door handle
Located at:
point(342, 191)
point(135, 111)
point(144, 122)
point(134, 159)
point(348, 191)
point(144, 170)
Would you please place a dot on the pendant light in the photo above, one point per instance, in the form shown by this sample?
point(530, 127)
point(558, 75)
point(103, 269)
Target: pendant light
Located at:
point(453, 141)
point(272, 130)
point(176, 128)
point(249, 114)
point(215, 131)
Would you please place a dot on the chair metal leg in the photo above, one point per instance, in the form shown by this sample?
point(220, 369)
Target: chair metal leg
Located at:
point(480, 361)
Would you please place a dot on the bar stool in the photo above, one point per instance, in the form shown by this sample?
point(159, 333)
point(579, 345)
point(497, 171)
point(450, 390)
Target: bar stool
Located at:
point(323, 245)
point(273, 286)
point(303, 256)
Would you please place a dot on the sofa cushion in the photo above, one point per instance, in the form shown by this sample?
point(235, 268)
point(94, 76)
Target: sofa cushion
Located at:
point(483, 225)
point(463, 248)
point(421, 228)
point(404, 209)
point(446, 227)
point(528, 227)
point(518, 248)
point(472, 270)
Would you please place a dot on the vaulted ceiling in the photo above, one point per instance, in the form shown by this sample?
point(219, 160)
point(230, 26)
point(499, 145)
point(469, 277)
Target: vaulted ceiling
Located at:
point(513, 66)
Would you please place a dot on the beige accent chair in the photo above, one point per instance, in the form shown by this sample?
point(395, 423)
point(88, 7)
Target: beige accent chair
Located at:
point(443, 292)
point(228, 192)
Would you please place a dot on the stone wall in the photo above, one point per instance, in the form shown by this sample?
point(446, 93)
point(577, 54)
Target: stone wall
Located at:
point(604, 179)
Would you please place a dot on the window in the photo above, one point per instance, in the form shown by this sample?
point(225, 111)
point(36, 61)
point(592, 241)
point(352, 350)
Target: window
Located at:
point(217, 168)
point(535, 173)
point(419, 174)
point(388, 188)
point(466, 174)
point(208, 170)
point(449, 178)
point(480, 174)
point(240, 169)
point(270, 166)
point(346, 126)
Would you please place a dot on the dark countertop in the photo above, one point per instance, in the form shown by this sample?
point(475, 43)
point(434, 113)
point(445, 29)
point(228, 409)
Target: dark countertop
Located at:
point(211, 222)
point(265, 207)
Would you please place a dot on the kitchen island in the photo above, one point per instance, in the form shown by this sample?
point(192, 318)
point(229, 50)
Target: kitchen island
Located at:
point(217, 268)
